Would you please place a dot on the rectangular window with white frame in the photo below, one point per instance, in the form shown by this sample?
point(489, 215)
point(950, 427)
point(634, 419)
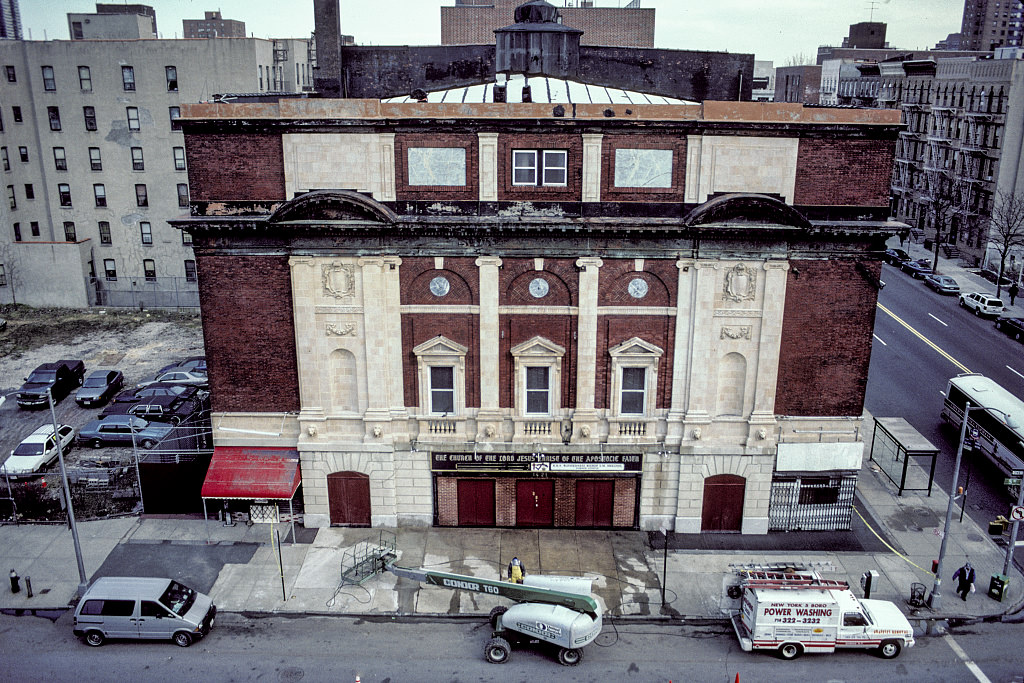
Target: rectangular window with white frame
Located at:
point(442, 390)
point(85, 79)
point(138, 163)
point(100, 192)
point(190, 270)
point(634, 377)
point(104, 228)
point(441, 375)
point(171, 74)
point(5, 159)
point(149, 269)
point(3, 276)
point(70, 234)
point(179, 158)
point(538, 391)
point(49, 82)
point(110, 269)
point(89, 114)
point(95, 160)
point(634, 391)
point(128, 78)
point(540, 167)
point(133, 118)
point(183, 194)
point(146, 232)
point(60, 160)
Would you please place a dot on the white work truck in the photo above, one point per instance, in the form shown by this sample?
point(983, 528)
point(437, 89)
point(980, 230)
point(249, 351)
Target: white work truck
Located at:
point(792, 612)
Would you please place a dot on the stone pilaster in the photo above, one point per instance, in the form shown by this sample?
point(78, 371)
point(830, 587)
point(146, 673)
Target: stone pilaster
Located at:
point(489, 414)
point(305, 293)
point(387, 167)
point(762, 417)
point(585, 415)
point(681, 351)
point(698, 390)
point(592, 167)
point(378, 337)
point(488, 166)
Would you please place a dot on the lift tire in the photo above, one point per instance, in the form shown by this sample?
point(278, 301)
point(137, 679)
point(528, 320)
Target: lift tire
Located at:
point(495, 613)
point(147, 443)
point(790, 651)
point(94, 638)
point(182, 639)
point(497, 651)
point(570, 656)
point(890, 649)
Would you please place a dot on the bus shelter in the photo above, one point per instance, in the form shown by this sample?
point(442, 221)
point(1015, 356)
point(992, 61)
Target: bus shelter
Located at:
point(893, 444)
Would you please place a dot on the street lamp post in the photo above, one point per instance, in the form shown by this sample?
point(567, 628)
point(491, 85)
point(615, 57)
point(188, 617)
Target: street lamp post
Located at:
point(83, 582)
point(1013, 532)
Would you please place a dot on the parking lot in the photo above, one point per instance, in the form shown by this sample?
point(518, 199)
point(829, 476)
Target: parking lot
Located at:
point(138, 353)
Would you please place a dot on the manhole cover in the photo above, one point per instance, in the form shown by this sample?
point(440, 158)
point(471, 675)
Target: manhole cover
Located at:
point(292, 673)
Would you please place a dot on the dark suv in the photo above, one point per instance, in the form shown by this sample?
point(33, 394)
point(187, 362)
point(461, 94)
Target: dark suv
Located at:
point(61, 378)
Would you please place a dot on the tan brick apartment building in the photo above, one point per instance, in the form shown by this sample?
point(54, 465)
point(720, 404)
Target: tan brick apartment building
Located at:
point(518, 315)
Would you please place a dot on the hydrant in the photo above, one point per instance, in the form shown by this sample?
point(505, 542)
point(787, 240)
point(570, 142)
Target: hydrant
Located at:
point(15, 586)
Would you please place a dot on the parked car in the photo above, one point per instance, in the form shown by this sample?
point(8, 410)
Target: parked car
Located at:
point(894, 257)
point(61, 378)
point(187, 377)
point(982, 304)
point(99, 387)
point(116, 430)
point(196, 363)
point(1011, 326)
point(38, 450)
point(943, 284)
point(173, 409)
point(917, 269)
point(158, 389)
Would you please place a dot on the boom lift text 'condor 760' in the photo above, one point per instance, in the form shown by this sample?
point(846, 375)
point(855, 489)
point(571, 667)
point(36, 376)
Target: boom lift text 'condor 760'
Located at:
point(559, 610)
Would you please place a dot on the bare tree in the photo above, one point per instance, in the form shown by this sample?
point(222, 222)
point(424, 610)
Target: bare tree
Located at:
point(948, 203)
point(799, 59)
point(12, 269)
point(1007, 228)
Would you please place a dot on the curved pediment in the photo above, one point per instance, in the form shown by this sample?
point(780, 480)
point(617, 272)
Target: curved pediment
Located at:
point(332, 205)
point(746, 208)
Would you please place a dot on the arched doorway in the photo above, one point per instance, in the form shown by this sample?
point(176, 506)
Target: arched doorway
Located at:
point(348, 495)
point(723, 503)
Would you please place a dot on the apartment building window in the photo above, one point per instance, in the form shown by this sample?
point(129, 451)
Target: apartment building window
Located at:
point(171, 73)
point(95, 161)
point(89, 113)
point(179, 158)
point(30, 192)
point(16, 113)
point(175, 114)
point(76, 30)
point(141, 196)
point(539, 167)
point(186, 238)
point(110, 269)
point(49, 83)
point(3, 276)
point(23, 154)
point(34, 228)
point(85, 78)
point(12, 76)
point(64, 192)
point(182, 194)
point(104, 228)
point(261, 77)
point(190, 270)
point(149, 269)
point(128, 77)
point(17, 232)
point(60, 162)
point(133, 118)
point(53, 113)
point(11, 197)
point(5, 159)
point(137, 162)
point(146, 232)
point(69, 232)
point(1, 121)
point(100, 192)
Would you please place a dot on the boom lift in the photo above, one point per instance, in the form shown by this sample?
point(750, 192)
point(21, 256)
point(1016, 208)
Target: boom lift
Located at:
point(559, 610)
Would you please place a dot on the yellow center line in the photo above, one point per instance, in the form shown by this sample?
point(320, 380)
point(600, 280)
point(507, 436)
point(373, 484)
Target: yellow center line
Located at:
point(927, 341)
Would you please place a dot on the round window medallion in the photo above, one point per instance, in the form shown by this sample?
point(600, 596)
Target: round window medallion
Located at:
point(439, 286)
point(539, 288)
point(637, 288)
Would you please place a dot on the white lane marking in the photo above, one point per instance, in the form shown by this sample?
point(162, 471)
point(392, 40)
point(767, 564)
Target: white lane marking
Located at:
point(879, 339)
point(937, 320)
point(1014, 372)
point(968, 662)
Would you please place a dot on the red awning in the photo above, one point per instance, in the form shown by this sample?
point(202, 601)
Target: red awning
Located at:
point(243, 472)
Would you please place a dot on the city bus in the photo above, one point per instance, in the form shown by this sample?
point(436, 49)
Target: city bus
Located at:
point(1004, 445)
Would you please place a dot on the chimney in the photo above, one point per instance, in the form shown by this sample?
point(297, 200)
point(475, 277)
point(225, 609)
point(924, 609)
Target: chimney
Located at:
point(327, 24)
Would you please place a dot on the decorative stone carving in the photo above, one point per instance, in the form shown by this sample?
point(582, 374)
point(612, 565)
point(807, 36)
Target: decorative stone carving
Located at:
point(341, 329)
point(585, 431)
point(377, 432)
point(695, 433)
point(489, 431)
point(740, 332)
point(311, 430)
point(762, 433)
point(740, 283)
point(637, 288)
point(338, 280)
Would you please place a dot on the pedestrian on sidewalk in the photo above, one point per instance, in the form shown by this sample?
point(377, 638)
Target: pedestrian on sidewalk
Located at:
point(516, 571)
point(965, 580)
point(1013, 291)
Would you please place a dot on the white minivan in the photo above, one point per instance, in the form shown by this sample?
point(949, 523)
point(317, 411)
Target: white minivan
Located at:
point(132, 607)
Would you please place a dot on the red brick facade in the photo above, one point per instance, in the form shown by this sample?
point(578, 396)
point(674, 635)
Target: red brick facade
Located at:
point(611, 193)
point(571, 191)
point(468, 142)
point(226, 167)
point(249, 332)
point(840, 172)
point(826, 339)
point(615, 329)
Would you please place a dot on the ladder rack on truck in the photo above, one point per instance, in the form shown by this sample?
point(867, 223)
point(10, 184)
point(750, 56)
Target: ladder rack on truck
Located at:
point(787, 580)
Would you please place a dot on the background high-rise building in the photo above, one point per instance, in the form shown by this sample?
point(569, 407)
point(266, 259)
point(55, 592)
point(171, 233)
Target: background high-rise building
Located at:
point(10, 20)
point(213, 25)
point(472, 22)
point(988, 24)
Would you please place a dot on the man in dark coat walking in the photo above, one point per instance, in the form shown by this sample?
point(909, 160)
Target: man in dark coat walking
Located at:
point(964, 578)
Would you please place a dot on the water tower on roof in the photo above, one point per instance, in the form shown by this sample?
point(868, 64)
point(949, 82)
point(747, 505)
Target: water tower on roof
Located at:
point(538, 43)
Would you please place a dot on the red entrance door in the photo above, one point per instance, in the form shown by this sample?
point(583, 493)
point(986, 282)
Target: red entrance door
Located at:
point(535, 502)
point(594, 501)
point(476, 502)
point(348, 495)
point(723, 503)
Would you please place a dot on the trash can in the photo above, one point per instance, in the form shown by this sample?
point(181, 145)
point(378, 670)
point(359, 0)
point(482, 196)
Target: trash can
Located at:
point(928, 244)
point(997, 586)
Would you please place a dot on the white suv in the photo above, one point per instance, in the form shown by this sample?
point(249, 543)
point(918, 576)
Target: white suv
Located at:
point(38, 450)
point(982, 304)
